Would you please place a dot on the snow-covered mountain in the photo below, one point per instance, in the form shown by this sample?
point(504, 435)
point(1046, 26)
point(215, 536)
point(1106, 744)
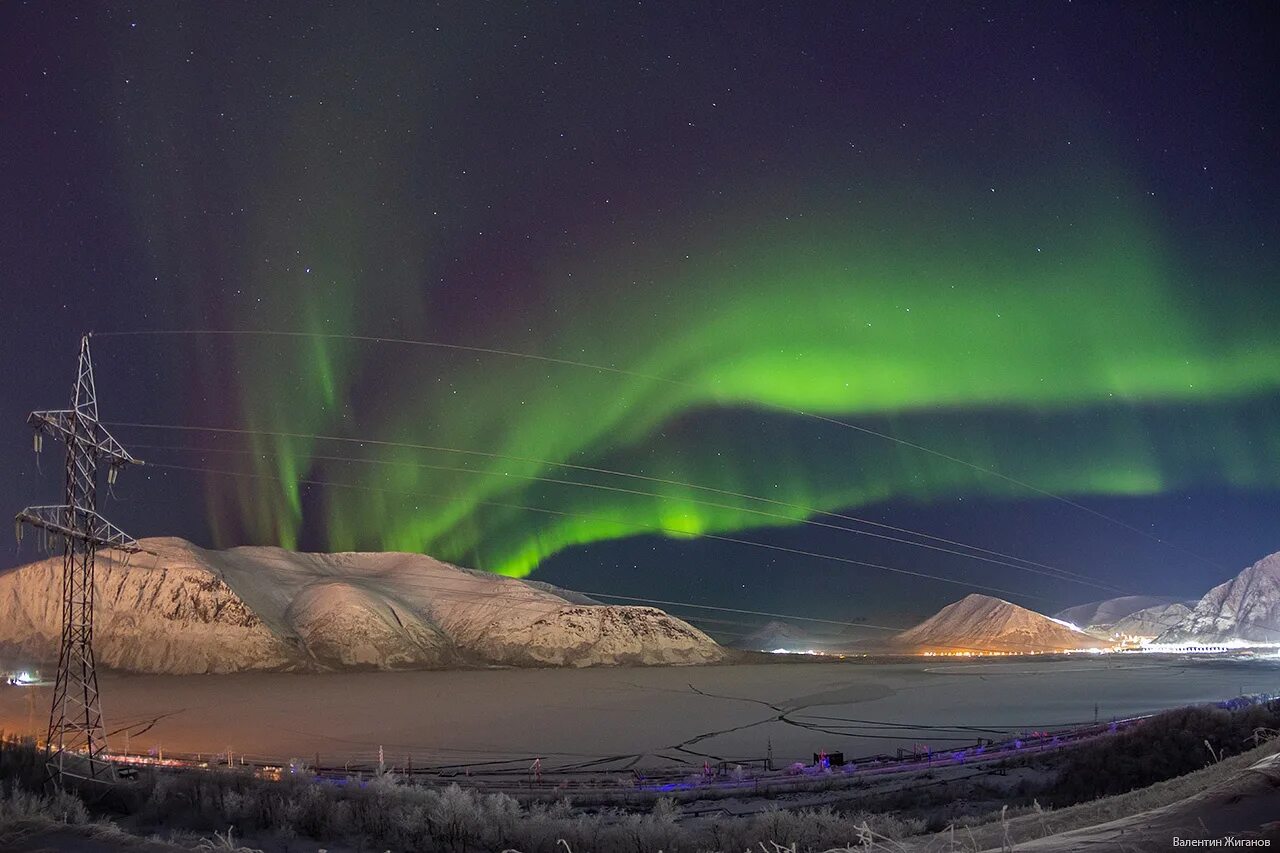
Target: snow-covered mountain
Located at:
point(1247, 607)
point(981, 623)
point(1144, 616)
point(184, 609)
point(776, 635)
point(1148, 623)
point(1110, 611)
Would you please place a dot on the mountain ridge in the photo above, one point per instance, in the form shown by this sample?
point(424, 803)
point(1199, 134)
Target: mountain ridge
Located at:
point(185, 609)
point(982, 623)
point(1109, 611)
point(1245, 607)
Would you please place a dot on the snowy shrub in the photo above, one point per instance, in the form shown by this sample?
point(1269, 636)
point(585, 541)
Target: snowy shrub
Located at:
point(1168, 745)
point(382, 813)
point(232, 804)
point(812, 830)
point(59, 806)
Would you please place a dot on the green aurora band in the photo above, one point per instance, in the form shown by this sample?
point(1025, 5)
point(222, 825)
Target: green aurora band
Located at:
point(1025, 306)
point(1075, 363)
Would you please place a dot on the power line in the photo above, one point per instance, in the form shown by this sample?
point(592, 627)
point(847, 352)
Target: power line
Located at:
point(491, 455)
point(439, 589)
point(662, 529)
point(1051, 571)
point(518, 600)
point(523, 597)
point(512, 600)
point(632, 524)
point(665, 380)
point(767, 614)
point(1014, 481)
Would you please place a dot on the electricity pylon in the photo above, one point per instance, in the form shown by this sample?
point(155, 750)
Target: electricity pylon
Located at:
point(76, 745)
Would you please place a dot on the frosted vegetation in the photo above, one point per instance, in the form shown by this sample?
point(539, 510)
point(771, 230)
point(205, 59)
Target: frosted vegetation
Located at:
point(383, 812)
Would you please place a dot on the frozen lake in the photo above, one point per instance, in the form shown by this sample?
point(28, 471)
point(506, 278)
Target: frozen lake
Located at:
point(649, 716)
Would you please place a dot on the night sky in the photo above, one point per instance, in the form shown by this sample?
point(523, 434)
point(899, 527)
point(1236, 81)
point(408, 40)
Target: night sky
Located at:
point(808, 240)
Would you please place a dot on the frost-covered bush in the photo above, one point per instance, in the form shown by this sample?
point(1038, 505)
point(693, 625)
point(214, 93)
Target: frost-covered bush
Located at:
point(811, 830)
point(21, 763)
point(384, 813)
point(17, 804)
point(1168, 745)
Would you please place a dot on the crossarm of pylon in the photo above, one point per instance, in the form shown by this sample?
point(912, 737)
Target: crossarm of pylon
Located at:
point(62, 520)
point(58, 423)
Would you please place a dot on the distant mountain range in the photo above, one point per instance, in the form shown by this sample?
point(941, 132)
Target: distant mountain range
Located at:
point(1149, 623)
point(184, 609)
point(776, 635)
point(1110, 611)
point(1130, 616)
point(190, 610)
point(1246, 607)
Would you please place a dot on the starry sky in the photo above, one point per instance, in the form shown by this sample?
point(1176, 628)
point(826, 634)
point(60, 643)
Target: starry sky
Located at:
point(700, 285)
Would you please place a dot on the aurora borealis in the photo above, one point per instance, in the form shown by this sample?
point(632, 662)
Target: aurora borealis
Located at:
point(1040, 240)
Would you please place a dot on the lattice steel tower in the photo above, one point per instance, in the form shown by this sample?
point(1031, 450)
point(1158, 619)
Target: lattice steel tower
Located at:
point(77, 742)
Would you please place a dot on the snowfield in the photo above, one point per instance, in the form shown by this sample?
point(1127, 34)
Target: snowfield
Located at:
point(649, 716)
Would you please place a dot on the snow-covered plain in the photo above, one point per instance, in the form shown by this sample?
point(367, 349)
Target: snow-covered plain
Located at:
point(654, 716)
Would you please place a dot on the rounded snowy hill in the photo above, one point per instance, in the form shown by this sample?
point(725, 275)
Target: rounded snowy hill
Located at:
point(982, 623)
point(1112, 610)
point(185, 609)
